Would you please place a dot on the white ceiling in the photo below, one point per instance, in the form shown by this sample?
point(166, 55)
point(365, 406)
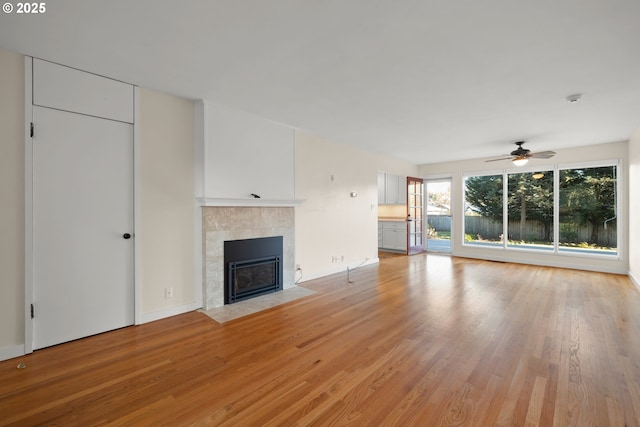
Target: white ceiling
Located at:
point(423, 80)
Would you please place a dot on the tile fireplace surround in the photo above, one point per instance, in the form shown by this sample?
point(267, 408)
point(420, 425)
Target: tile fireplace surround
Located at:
point(233, 223)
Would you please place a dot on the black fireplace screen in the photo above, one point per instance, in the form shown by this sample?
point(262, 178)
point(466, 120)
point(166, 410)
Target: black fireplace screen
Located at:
point(253, 277)
point(253, 267)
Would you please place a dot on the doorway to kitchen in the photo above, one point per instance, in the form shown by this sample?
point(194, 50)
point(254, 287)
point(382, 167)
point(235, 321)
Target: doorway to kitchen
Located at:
point(438, 213)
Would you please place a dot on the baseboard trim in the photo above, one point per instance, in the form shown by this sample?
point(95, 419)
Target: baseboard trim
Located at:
point(633, 280)
point(168, 312)
point(336, 270)
point(557, 263)
point(11, 351)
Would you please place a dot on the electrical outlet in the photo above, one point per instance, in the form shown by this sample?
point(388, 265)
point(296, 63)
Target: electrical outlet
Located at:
point(168, 293)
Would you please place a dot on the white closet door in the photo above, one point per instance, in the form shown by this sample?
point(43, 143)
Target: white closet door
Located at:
point(82, 209)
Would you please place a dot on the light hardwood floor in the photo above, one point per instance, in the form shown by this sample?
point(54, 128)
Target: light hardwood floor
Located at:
point(424, 340)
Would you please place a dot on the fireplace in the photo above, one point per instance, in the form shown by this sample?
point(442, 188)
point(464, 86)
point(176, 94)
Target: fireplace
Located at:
point(221, 224)
point(253, 267)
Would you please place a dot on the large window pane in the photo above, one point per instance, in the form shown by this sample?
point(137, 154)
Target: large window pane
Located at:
point(530, 207)
point(588, 212)
point(483, 210)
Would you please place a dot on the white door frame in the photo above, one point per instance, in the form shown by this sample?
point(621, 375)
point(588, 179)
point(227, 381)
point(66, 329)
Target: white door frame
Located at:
point(29, 264)
point(437, 178)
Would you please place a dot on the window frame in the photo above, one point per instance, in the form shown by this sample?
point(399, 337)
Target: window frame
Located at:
point(552, 249)
point(464, 207)
point(619, 206)
point(555, 168)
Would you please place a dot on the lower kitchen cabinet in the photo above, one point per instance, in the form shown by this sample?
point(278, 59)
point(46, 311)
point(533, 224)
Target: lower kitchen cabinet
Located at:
point(392, 235)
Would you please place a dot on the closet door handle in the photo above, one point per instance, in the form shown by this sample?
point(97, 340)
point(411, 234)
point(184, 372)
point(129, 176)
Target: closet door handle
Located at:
point(126, 236)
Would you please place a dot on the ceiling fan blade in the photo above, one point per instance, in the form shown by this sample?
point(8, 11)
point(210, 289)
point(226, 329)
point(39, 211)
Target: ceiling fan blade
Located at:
point(543, 155)
point(501, 158)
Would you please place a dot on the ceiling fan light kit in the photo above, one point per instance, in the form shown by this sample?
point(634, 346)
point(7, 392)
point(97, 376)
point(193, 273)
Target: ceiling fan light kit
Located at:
point(520, 156)
point(520, 161)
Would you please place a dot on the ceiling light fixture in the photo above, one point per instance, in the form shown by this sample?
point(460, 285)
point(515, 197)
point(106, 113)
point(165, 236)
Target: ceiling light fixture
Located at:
point(520, 161)
point(574, 98)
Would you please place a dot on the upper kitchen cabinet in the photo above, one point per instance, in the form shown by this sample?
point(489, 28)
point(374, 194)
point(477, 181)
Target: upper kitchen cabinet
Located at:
point(392, 189)
point(382, 187)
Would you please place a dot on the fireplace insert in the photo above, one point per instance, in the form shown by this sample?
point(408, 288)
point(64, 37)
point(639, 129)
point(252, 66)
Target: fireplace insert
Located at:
point(253, 267)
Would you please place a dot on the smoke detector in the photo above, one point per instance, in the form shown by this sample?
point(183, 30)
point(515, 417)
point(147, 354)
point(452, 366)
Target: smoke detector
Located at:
point(574, 98)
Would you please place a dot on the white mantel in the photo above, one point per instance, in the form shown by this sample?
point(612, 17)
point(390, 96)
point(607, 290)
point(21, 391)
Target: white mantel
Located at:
point(253, 202)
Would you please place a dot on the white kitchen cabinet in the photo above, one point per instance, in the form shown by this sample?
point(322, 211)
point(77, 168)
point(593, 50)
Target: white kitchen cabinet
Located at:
point(392, 235)
point(392, 189)
point(382, 187)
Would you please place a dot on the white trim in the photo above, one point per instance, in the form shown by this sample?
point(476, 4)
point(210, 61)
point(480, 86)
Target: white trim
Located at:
point(589, 164)
point(199, 151)
point(621, 207)
point(137, 271)
point(198, 283)
point(556, 208)
point(28, 205)
point(168, 312)
point(505, 210)
point(11, 351)
point(438, 177)
point(633, 280)
point(336, 270)
point(551, 262)
point(483, 173)
point(199, 148)
point(208, 201)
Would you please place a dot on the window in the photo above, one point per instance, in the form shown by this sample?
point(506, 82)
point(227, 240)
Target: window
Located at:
point(568, 210)
point(530, 207)
point(588, 210)
point(483, 210)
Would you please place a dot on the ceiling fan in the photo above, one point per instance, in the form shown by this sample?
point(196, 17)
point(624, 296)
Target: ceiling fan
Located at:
point(520, 156)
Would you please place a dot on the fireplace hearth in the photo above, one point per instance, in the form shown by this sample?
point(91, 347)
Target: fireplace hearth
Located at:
point(253, 268)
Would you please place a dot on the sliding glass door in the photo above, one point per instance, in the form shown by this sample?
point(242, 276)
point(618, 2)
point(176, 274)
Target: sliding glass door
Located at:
point(438, 212)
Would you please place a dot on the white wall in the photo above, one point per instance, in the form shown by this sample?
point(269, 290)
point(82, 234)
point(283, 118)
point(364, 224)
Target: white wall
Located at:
point(244, 154)
point(634, 207)
point(609, 151)
point(165, 232)
point(329, 222)
point(11, 204)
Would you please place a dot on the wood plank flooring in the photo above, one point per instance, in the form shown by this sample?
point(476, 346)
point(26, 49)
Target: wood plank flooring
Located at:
point(425, 340)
